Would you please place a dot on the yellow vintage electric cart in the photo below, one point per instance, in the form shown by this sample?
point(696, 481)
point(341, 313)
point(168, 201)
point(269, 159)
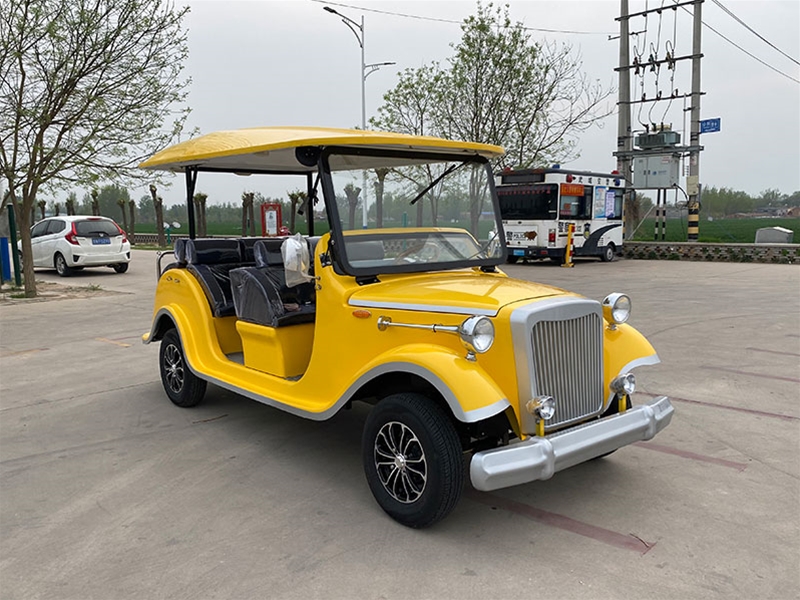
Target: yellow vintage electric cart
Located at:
point(399, 304)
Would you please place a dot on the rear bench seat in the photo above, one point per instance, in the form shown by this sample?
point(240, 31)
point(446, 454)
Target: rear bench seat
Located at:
point(210, 261)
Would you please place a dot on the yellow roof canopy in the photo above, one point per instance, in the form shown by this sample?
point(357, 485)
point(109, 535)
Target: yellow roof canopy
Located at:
point(273, 148)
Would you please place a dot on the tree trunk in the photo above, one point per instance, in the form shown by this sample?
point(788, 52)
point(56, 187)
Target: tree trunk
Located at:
point(352, 193)
point(121, 204)
point(95, 204)
point(26, 219)
point(379, 187)
point(158, 204)
point(251, 215)
point(41, 204)
point(132, 232)
point(245, 200)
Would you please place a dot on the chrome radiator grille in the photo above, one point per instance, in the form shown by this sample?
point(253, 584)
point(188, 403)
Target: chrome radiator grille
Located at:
point(568, 365)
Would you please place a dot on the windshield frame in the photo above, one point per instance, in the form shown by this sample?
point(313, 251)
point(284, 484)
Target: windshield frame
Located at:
point(339, 248)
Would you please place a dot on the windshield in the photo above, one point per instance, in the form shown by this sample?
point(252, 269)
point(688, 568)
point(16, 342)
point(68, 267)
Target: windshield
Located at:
point(419, 214)
point(528, 202)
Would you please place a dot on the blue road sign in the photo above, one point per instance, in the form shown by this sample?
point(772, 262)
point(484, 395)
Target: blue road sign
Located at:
point(710, 125)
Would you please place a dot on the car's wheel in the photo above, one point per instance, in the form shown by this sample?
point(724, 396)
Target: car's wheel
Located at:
point(183, 387)
point(512, 259)
point(120, 267)
point(412, 459)
point(608, 253)
point(63, 269)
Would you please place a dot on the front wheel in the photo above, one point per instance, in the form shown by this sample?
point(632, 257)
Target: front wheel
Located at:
point(184, 388)
point(608, 253)
point(412, 459)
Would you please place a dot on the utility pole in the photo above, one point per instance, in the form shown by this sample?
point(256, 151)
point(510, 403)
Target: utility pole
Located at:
point(693, 181)
point(624, 141)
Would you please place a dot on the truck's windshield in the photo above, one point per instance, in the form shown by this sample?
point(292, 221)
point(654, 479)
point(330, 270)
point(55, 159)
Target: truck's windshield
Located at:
point(452, 224)
point(529, 202)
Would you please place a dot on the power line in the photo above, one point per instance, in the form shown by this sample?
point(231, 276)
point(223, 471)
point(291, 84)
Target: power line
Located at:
point(754, 32)
point(766, 64)
point(423, 18)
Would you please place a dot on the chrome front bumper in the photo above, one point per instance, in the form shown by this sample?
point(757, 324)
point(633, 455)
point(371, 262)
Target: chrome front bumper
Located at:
point(540, 457)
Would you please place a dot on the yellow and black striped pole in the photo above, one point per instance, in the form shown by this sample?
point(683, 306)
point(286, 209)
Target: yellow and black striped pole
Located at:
point(693, 221)
point(569, 249)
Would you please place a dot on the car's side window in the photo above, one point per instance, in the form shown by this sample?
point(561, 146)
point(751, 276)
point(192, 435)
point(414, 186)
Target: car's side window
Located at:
point(55, 226)
point(39, 229)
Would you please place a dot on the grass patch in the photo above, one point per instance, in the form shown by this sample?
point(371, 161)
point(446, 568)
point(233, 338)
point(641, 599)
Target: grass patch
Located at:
point(719, 231)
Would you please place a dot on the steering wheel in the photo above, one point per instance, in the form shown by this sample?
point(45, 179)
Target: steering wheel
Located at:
point(417, 249)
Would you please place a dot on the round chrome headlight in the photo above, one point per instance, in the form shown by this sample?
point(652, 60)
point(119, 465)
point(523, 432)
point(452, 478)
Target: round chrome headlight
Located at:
point(543, 407)
point(477, 334)
point(624, 384)
point(616, 308)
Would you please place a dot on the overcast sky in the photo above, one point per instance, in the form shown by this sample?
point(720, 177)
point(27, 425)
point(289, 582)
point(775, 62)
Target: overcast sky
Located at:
point(288, 62)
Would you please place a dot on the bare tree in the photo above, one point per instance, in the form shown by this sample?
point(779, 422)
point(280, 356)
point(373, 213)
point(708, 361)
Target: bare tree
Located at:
point(95, 195)
point(42, 204)
point(379, 185)
point(158, 203)
point(70, 203)
point(88, 88)
point(352, 192)
point(122, 206)
point(132, 231)
point(248, 214)
point(296, 198)
point(200, 210)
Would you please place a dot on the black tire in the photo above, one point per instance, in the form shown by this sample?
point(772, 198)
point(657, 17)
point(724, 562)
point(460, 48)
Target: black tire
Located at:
point(512, 259)
point(63, 269)
point(609, 252)
point(184, 388)
point(405, 429)
point(120, 267)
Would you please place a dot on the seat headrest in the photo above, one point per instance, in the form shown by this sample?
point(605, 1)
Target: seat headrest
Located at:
point(364, 250)
point(179, 250)
point(212, 251)
point(268, 253)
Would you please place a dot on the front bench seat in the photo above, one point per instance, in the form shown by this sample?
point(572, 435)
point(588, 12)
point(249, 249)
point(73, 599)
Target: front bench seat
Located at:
point(257, 300)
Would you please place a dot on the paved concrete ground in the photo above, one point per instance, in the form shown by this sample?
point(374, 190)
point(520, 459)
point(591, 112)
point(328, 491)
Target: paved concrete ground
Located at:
point(109, 491)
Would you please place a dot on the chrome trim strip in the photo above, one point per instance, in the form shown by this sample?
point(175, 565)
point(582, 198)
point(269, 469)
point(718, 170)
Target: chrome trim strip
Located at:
point(471, 416)
point(538, 458)
point(457, 310)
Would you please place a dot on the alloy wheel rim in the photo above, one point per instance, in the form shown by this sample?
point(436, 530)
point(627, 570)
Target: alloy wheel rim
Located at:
point(400, 462)
point(173, 368)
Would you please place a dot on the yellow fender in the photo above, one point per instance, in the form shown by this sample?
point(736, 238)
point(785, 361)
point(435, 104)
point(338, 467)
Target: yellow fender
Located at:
point(468, 390)
point(624, 349)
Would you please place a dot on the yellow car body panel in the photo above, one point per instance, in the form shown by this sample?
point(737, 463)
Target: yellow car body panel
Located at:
point(347, 321)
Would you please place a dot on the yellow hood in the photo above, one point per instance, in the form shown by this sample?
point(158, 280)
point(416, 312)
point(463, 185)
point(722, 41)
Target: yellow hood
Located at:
point(469, 293)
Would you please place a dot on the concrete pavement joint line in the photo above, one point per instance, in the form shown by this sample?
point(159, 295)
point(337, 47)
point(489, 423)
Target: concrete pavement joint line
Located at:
point(692, 456)
point(612, 538)
point(738, 372)
point(749, 411)
point(106, 340)
point(773, 351)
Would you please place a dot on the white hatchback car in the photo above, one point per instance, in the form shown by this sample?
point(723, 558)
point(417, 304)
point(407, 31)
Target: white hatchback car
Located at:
point(71, 243)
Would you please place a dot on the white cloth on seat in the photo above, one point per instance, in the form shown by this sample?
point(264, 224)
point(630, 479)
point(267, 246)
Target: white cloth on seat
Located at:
point(296, 261)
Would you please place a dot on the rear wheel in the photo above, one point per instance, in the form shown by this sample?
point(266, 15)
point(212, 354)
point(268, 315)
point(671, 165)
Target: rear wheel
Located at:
point(184, 388)
point(412, 459)
point(120, 267)
point(608, 253)
point(61, 266)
